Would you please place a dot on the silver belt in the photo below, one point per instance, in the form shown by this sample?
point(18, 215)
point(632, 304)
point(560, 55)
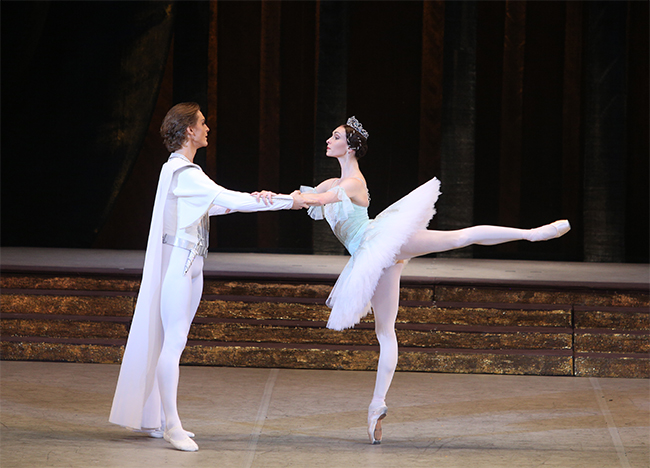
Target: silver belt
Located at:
point(185, 244)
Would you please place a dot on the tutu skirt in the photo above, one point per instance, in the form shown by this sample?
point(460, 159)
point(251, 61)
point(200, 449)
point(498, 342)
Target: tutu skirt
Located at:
point(350, 299)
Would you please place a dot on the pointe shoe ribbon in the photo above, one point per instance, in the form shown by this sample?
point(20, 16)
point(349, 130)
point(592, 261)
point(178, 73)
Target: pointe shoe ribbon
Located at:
point(374, 424)
point(184, 444)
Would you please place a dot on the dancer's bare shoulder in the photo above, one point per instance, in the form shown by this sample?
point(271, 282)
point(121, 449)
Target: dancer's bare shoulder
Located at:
point(356, 189)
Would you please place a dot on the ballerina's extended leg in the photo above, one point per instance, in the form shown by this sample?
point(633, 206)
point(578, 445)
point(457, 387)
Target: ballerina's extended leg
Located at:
point(426, 241)
point(384, 303)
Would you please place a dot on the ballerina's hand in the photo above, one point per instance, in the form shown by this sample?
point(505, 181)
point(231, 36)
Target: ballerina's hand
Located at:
point(265, 196)
point(306, 199)
point(298, 200)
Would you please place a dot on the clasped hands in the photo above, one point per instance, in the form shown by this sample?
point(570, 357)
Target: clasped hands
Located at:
point(266, 196)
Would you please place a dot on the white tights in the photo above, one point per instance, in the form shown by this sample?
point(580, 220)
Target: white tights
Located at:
point(180, 298)
point(386, 298)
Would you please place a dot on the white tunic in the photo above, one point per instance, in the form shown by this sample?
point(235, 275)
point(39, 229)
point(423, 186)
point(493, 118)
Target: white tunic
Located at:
point(184, 188)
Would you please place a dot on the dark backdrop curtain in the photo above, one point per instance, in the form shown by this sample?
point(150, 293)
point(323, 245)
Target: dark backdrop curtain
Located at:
point(527, 112)
point(79, 84)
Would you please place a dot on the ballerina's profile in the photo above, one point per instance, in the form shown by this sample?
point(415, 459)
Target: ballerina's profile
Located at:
point(380, 248)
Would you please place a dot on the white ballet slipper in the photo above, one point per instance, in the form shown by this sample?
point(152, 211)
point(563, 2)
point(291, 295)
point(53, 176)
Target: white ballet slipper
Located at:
point(184, 444)
point(375, 417)
point(549, 231)
point(159, 433)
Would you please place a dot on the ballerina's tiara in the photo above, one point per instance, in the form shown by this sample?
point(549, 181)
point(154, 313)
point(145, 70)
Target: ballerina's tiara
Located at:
point(354, 123)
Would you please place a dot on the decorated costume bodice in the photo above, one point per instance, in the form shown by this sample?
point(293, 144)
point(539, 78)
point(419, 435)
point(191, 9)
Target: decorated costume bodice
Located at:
point(347, 220)
point(192, 197)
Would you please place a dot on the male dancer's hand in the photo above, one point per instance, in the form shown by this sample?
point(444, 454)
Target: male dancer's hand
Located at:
point(265, 196)
point(298, 201)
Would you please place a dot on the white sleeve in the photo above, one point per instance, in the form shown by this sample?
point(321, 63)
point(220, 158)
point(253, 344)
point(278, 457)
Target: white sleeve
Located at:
point(193, 183)
point(216, 210)
point(246, 203)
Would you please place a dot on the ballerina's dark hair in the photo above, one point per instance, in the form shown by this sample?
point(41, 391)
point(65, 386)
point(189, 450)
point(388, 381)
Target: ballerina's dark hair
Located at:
point(356, 141)
point(356, 136)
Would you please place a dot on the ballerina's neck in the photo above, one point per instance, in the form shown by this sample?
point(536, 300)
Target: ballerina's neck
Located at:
point(349, 164)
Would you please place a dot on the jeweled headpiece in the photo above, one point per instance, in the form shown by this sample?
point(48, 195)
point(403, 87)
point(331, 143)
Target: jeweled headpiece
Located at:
point(354, 123)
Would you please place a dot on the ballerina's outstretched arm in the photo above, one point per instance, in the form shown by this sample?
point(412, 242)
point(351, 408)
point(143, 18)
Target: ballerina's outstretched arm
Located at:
point(354, 188)
point(317, 199)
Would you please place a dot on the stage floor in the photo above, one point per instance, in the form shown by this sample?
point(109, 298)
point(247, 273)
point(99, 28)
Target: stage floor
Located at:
point(327, 267)
point(55, 415)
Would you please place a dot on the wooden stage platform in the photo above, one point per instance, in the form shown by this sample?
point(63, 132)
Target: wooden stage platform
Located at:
point(268, 310)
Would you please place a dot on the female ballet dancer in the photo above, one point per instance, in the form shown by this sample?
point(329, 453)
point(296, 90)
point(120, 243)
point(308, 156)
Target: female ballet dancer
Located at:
point(380, 248)
point(172, 279)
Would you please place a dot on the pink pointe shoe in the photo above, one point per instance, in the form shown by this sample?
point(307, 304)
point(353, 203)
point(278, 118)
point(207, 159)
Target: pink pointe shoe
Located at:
point(180, 440)
point(550, 231)
point(374, 423)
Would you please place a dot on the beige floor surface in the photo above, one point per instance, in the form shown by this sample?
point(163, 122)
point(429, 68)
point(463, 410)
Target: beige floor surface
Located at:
point(55, 415)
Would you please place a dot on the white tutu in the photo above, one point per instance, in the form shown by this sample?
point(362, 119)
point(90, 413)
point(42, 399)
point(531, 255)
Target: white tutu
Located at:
point(382, 241)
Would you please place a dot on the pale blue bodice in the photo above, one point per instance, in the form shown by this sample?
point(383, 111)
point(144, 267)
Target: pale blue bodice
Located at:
point(350, 231)
point(347, 220)
point(374, 244)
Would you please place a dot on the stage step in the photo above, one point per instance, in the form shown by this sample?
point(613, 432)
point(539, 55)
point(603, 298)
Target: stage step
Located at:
point(251, 322)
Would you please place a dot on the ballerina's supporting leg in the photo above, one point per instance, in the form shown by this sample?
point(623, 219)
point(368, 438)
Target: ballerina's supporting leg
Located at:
point(180, 298)
point(384, 303)
point(385, 300)
point(425, 242)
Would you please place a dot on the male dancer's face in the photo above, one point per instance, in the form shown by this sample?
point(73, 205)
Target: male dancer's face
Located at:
point(198, 132)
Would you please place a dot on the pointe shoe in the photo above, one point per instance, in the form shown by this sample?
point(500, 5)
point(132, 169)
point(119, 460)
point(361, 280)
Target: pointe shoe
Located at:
point(184, 444)
point(550, 231)
point(374, 424)
point(159, 433)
